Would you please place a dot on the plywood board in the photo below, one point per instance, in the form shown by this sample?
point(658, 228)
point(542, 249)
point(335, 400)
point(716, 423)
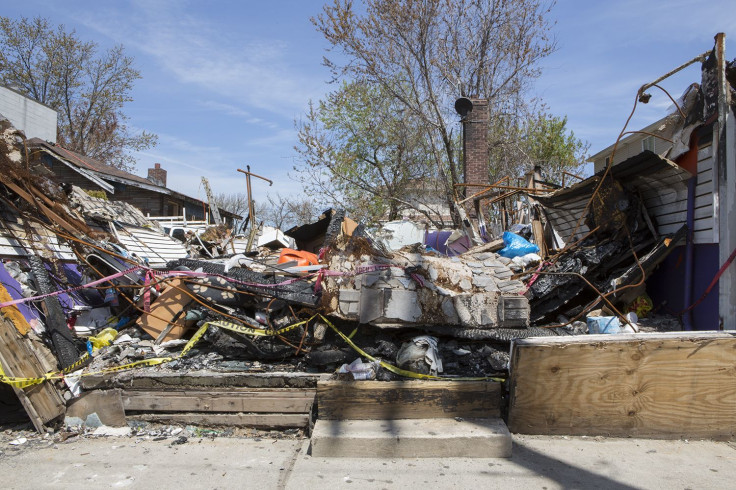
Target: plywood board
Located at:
point(361, 400)
point(171, 302)
point(669, 385)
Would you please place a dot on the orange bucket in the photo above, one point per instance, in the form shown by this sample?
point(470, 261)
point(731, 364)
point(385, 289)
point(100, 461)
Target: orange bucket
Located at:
point(302, 258)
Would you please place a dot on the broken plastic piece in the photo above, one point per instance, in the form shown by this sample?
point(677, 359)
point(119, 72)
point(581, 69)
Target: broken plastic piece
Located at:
point(300, 256)
point(516, 246)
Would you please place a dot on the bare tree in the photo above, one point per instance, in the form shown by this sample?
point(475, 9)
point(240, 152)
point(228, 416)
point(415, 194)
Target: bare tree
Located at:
point(236, 202)
point(284, 212)
point(56, 68)
point(425, 53)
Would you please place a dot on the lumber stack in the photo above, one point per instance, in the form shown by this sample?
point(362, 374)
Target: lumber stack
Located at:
point(252, 400)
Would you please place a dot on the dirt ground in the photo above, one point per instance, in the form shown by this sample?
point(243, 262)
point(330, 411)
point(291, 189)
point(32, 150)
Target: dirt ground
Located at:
point(212, 459)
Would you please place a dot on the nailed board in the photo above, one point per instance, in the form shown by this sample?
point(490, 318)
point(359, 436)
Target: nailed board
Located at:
point(667, 385)
point(257, 420)
point(283, 400)
point(368, 400)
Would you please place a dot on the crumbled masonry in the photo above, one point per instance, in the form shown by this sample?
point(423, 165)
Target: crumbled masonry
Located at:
point(99, 299)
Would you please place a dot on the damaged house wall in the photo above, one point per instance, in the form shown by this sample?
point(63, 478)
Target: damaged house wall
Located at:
point(688, 271)
point(68, 167)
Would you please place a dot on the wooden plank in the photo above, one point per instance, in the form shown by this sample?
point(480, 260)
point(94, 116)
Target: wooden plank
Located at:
point(232, 400)
point(363, 400)
point(669, 385)
point(256, 420)
point(153, 380)
point(42, 402)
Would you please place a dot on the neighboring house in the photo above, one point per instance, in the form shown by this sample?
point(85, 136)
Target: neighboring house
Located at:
point(659, 137)
point(634, 144)
point(36, 120)
point(150, 195)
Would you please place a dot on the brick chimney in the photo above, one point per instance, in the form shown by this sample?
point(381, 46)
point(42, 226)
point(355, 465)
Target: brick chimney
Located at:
point(475, 143)
point(157, 175)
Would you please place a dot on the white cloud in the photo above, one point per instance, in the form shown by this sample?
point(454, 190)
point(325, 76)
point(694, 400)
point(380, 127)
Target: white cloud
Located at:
point(249, 72)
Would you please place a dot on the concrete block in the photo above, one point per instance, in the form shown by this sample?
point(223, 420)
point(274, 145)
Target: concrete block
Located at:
point(368, 279)
point(485, 282)
point(402, 305)
point(371, 304)
point(411, 438)
point(448, 308)
point(503, 274)
point(479, 310)
point(349, 295)
point(474, 265)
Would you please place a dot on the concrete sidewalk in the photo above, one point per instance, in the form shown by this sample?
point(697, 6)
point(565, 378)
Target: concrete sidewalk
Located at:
point(537, 462)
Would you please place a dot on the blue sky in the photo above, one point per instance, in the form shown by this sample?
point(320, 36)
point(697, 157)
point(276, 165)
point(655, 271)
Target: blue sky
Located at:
point(223, 81)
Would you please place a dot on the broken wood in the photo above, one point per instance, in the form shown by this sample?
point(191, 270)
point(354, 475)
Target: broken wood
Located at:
point(165, 311)
point(256, 420)
point(152, 380)
point(42, 402)
point(668, 385)
point(407, 399)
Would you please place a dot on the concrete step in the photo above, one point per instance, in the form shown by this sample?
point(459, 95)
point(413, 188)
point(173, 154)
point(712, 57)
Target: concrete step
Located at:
point(412, 438)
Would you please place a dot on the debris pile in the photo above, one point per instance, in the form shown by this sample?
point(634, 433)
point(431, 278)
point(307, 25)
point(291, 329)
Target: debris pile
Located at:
point(94, 290)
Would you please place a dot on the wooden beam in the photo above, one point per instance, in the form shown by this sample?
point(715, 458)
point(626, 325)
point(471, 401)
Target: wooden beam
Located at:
point(668, 385)
point(151, 380)
point(232, 400)
point(256, 420)
point(407, 399)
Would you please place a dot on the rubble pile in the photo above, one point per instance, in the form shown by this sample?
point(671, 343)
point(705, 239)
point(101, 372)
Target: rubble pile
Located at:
point(91, 286)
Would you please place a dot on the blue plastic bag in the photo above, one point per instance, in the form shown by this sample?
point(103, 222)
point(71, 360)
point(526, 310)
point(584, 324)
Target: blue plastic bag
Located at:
point(516, 246)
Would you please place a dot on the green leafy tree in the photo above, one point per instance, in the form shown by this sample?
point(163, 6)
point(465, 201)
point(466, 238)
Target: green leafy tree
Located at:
point(88, 89)
point(360, 149)
point(543, 140)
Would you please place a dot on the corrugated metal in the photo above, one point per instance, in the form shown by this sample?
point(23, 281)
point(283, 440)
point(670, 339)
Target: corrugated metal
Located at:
point(41, 242)
point(661, 183)
point(150, 244)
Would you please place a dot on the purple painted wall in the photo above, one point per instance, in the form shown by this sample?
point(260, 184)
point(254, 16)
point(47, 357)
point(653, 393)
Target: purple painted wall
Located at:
point(666, 286)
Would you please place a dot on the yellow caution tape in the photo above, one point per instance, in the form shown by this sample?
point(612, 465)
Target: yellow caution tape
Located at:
point(257, 332)
point(399, 371)
point(26, 382)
